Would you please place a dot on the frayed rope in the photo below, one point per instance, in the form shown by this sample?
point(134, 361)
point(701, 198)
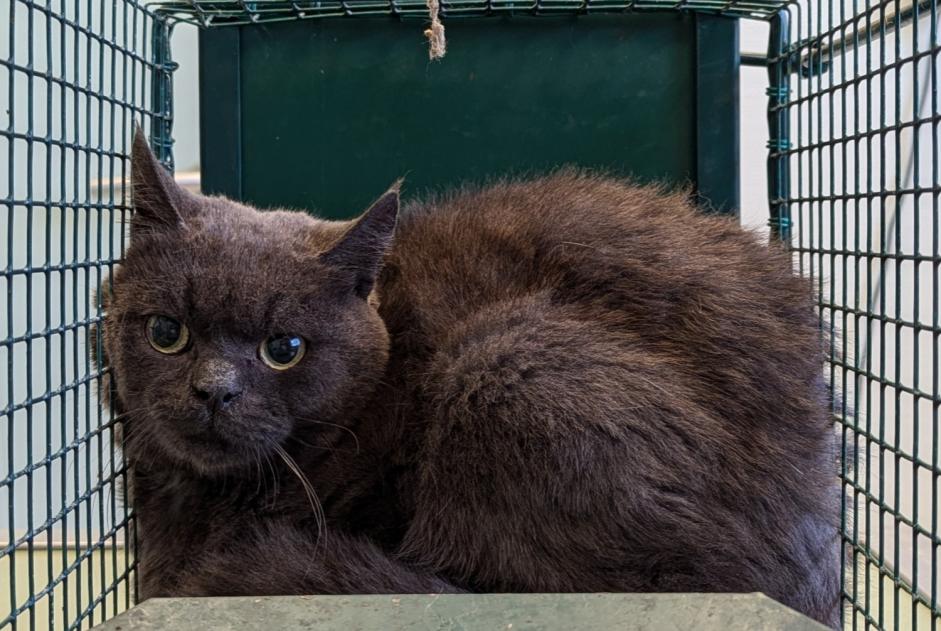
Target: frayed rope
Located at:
point(437, 45)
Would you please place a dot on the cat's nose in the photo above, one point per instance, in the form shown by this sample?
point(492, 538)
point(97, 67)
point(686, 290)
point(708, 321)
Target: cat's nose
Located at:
point(216, 397)
point(216, 383)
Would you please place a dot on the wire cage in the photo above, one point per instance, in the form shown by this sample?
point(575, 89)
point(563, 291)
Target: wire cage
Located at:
point(853, 188)
point(74, 77)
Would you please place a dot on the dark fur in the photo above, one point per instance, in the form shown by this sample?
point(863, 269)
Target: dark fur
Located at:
point(566, 384)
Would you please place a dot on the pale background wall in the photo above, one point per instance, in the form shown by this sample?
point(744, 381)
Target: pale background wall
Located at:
point(753, 36)
point(186, 98)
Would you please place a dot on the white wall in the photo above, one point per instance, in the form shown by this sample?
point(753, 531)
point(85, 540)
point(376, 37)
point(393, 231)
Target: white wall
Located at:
point(186, 98)
point(753, 36)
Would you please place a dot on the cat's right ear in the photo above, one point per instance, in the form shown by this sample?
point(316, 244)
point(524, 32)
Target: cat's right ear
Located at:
point(158, 200)
point(360, 251)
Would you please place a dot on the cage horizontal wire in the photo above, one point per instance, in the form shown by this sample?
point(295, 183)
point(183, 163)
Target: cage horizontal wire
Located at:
point(853, 176)
point(237, 12)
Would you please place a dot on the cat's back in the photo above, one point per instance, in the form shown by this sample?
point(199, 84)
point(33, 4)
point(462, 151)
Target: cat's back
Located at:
point(642, 252)
point(635, 270)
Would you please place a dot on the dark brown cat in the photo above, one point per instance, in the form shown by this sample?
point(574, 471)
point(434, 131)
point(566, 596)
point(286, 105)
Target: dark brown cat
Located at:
point(566, 384)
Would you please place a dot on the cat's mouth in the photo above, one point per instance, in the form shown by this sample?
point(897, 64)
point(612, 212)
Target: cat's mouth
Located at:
point(210, 441)
point(220, 443)
point(210, 450)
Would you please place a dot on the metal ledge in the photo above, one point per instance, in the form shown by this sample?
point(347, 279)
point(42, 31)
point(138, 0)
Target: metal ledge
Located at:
point(507, 612)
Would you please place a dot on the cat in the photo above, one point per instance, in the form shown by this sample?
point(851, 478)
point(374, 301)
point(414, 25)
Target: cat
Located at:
point(564, 384)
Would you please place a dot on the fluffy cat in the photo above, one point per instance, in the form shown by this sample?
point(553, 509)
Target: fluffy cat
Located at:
point(564, 384)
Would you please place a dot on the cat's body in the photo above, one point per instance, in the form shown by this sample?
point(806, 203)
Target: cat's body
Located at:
point(566, 384)
point(612, 392)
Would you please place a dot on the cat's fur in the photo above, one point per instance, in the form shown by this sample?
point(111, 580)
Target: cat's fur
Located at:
point(564, 384)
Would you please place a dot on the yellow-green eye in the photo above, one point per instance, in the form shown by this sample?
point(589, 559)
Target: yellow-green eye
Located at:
point(282, 351)
point(167, 335)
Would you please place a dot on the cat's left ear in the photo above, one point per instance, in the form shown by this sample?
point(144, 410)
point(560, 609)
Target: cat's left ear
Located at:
point(359, 252)
point(158, 201)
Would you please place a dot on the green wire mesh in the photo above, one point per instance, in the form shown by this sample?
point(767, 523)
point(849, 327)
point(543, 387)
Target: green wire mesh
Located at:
point(853, 183)
point(235, 12)
point(74, 76)
point(854, 178)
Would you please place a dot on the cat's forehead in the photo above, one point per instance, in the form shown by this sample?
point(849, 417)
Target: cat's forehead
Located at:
point(234, 267)
point(243, 245)
point(223, 220)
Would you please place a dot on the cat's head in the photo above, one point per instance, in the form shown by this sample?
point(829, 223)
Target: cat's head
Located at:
point(228, 329)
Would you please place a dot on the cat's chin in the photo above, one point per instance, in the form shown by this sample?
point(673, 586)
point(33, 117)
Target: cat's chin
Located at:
point(213, 457)
point(214, 465)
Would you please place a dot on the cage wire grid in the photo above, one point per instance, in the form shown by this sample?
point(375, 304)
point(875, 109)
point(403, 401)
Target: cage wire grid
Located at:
point(853, 188)
point(74, 76)
point(853, 185)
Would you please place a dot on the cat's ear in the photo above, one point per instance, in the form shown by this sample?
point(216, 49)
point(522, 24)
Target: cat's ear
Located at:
point(158, 200)
point(360, 251)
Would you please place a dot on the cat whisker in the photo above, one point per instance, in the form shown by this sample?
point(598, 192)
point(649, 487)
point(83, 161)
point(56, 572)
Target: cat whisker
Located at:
point(134, 435)
point(323, 447)
point(275, 484)
point(341, 427)
point(308, 490)
point(256, 460)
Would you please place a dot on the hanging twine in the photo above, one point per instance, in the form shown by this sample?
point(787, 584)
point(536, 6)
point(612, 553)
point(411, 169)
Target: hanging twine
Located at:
point(435, 32)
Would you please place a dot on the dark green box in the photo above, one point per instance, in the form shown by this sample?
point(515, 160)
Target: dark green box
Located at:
point(325, 114)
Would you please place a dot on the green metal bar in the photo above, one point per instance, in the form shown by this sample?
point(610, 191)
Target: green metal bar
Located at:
point(754, 59)
point(779, 127)
point(239, 13)
point(883, 269)
point(104, 392)
point(30, 147)
point(717, 113)
point(63, 256)
point(97, 278)
point(220, 107)
point(10, 226)
point(869, 341)
point(897, 412)
point(161, 135)
point(48, 384)
point(936, 287)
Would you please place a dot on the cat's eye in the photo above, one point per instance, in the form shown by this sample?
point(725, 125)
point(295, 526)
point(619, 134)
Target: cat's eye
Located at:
point(167, 335)
point(282, 351)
